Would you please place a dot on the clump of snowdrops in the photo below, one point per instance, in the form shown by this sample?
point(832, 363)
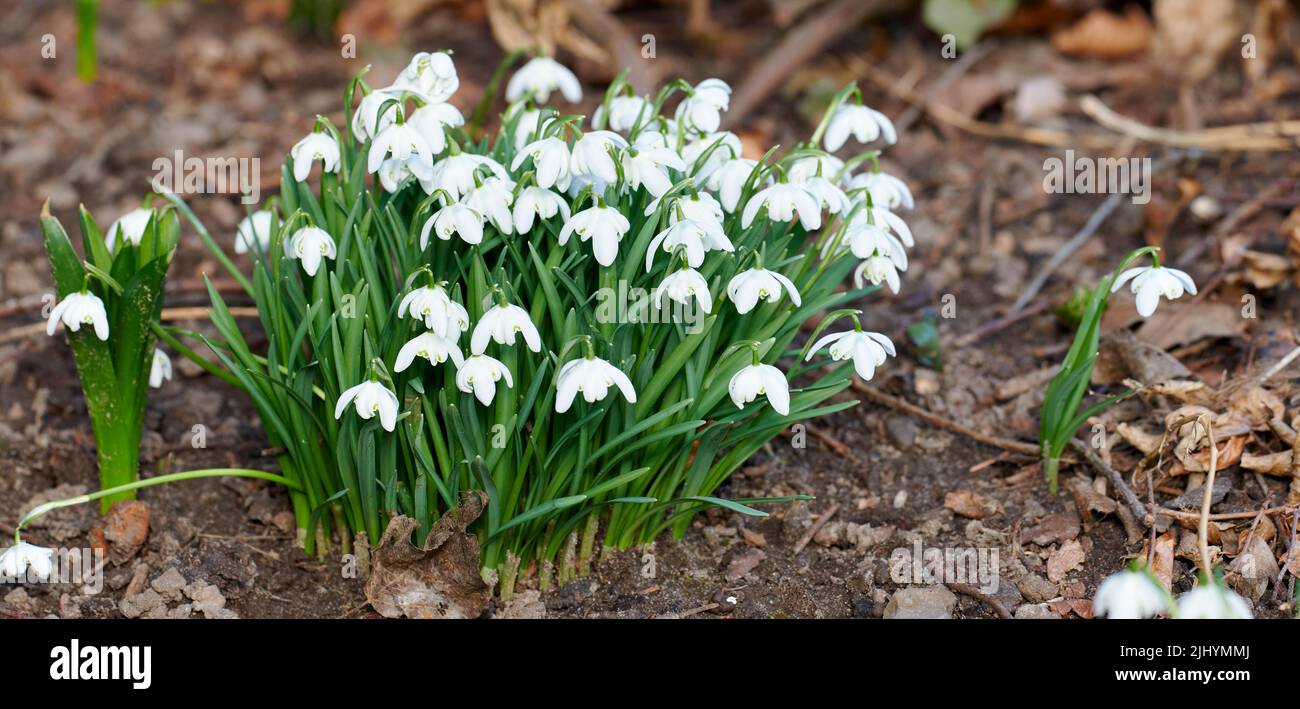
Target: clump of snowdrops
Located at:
point(594, 323)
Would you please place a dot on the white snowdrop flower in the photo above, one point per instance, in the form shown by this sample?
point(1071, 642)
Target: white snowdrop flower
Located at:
point(454, 174)
point(402, 141)
point(311, 244)
point(701, 207)
point(492, 199)
point(160, 368)
point(645, 167)
point(15, 560)
point(542, 204)
point(830, 197)
point(625, 113)
point(526, 128)
point(500, 324)
point(367, 122)
point(650, 139)
point(784, 201)
point(1213, 601)
point(603, 226)
point(313, 147)
point(867, 349)
point(479, 376)
point(1129, 595)
point(747, 288)
point(431, 121)
point(432, 305)
point(456, 218)
point(1151, 282)
point(550, 161)
point(370, 398)
point(728, 148)
point(703, 106)
point(539, 77)
point(253, 229)
point(863, 123)
point(729, 181)
point(393, 172)
point(77, 309)
point(430, 346)
point(591, 157)
point(431, 75)
point(886, 190)
point(884, 219)
point(867, 240)
point(827, 166)
point(876, 269)
point(129, 226)
point(696, 237)
point(593, 377)
point(764, 379)
point(683, 285)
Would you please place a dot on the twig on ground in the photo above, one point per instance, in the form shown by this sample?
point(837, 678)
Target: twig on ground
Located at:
point(1116, 480)
point(1280, 135)
point(815, 528)
point(1075, 243)
point(979, 595)
point(914, 410)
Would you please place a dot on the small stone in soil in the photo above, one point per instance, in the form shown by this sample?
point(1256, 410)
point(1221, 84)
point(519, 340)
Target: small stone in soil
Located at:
point(928, 602)
point(170, 584)
point(1036, 588)
point(1036, 611)
point(141, 603)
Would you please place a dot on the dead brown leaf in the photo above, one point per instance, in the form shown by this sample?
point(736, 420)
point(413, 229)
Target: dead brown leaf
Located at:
point(1068, 557)
point(1176, 324)
point(1106, 35)
point(968, 503)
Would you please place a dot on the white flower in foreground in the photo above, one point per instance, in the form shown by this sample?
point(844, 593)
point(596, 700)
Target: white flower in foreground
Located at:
point(550, 161)
point(764, 379)
point(1151, 282)
point(526, 127)
point(454, 174)
point(884, 219)
point(492, 199)
point(316, 146)
point(311, 244)
point(431, 75)
point(729, 181)
point(1213, 601)
point(868, 240)
point(370, 398)
point(431, 121)
point(625, 113)
point(783, 201)
point(591, 155)
point(645, 167)
point(886, 190)
point(367, 122)
point(728, 147)
point(453, 219)
point(867, 349)
point(253, 229)
point(604, 227)
point(130, 226)
point(593, 377)
point(160, 368)
point(703, 107)
point(16, 559)
point(683, 285)
point(393, 172)
point(79, 309)
point(539, 77)
point(444, 316)
point(430, 346)
point(402, 141)
point(1129, 595)
point(500, 324)
point(696, 237)
point(537, 203)
point(830, 197)
point(701, 207)
point(876, 269)
point(479, 376)
point(748, 287)
point(863, 123)
point(827, 166)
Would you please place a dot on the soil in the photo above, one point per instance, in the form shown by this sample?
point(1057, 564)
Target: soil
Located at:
point(216, 82)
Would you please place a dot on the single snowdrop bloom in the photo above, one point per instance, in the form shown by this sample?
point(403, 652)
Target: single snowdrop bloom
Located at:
point(444, 316)
point(703, 106)
point(392, 173)
point(877, 269)
point(646, 167)
point(886, 190)
point(696, 237)
point(431, 75)
point(867, 240)
point(700, 207)
point(747, 288)
point(884, 219)
point(830, 197)
point(526, 127)
point(537, 203)
point(311, 244)
point(625, 113)
point(430, 346)
point(591, 155)
point(784, 201)
point(1213, 601)
point(728, 147)
point(455, 173)
point(432, 120)
point(315, 146)
point(1151, 282)
point(764, 379)
point(15, 560)
point(253, 229)
point(368, 120)
point(603, 226)
point(827, 166)
point(863, 123)
point(479, 376)
point(593, 377)
point(550, 161)
point(539, 77)
point(1129, 595)
point(492, 199)
point(77, 309)
point(370, 398)
point(868, 350)
point(683, 285)
point(729, 181)
point(402, 141)
point(500, 324)
point(129, 226)
point(456, 218)
point(160, 368)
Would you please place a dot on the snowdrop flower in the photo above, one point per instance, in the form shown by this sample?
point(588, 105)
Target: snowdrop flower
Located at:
point(748, 287)
point(16, 559)
point(867, 349)
point(129, 226)
point(79, 309)
point(500, 324)
point(830, 197)
point(729, 147)
point(729, 181)
point(603, 226)
point(702, 108)
point(311, 244)
point(701, 207)
point(455, 174)
point(764, 379)
point(367, 122)
point(431, 121)
point(444, 316)
point(783, 201)
point(479, 376)
point(535, 202)
point(539, 77)
point(886, 190)
point(160, 368)
point(454, 219)
point(1151, 282)
point(393, 172)
point(884, 219)
point(1129, 595)
point(869, 240)
point(403, 141)
point(526, 127)
point(876, 269)
point(863, 123)
point(645, 167)
point(696, 237)
point(625, 113)
point(550, 161)
point(431, 75)
point(591, 156)
point(827, 166)
point(316, 146)
point(492, 199)
point(681, 286)
point(593, 377)
point(253, 229)
point(1213, 601)
point(430, 346)
point(370, 398)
